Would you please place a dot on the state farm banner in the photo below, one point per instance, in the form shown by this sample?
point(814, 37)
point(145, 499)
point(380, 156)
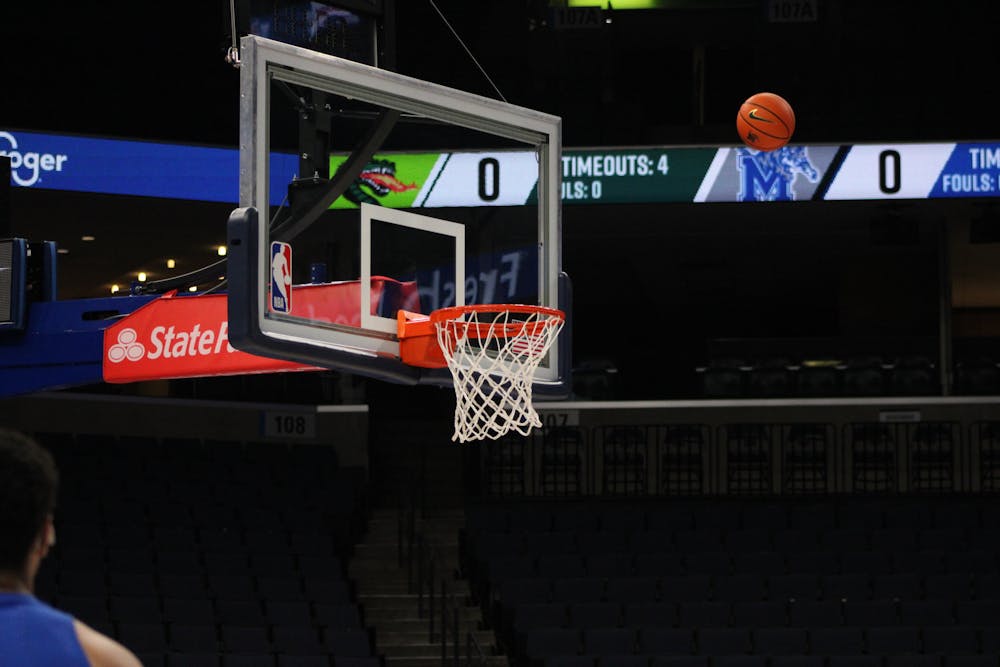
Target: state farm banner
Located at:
point(188, 336)
point(179, 337)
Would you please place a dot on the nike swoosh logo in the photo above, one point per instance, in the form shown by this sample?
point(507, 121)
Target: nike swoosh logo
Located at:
point(753, 114)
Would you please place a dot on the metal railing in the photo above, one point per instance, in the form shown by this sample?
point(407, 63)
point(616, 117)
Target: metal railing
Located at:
point(438, 601)
point(743, 458)
point(474, 652)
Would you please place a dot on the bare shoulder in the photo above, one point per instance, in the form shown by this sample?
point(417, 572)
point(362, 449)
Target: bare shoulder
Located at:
point(102, 651)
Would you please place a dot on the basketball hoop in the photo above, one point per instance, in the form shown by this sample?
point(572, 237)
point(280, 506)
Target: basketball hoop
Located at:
point(492, 352)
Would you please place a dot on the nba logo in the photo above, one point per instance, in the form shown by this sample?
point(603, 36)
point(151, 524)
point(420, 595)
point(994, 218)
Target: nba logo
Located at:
point(281, 277)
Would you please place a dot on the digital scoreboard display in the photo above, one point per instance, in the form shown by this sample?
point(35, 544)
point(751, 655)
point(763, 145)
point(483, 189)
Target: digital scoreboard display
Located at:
point(650, 174)
point(617, 5)
point(349, 30)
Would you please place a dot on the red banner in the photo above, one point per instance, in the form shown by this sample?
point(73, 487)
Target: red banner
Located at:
point(187, 336)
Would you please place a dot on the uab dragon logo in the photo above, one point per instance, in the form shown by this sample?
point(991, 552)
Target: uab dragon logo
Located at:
point(376, 180)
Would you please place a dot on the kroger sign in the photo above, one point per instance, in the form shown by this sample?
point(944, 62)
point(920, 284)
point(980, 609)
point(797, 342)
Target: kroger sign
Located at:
point(27, 166)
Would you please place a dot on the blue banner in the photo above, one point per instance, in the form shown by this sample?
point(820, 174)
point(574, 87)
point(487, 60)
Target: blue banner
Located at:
point(134, 168)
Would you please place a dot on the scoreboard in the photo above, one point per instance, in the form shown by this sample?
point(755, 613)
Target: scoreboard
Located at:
point(722, 174)
point(648, 174)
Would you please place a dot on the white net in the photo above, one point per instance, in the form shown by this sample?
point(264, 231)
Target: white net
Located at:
point(493, 355)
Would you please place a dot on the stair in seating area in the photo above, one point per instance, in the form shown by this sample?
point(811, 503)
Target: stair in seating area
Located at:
point(392, 608)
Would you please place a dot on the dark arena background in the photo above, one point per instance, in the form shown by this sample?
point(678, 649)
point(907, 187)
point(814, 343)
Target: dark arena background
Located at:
point(781, 447)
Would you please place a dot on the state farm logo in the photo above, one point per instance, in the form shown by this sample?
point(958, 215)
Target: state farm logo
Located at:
point(127, 347)
point(168, 343)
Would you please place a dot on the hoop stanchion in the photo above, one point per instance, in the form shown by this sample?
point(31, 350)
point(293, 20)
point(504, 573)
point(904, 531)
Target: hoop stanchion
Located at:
point(492, 352)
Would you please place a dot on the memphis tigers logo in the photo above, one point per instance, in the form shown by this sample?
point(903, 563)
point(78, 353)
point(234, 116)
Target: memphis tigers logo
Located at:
point(768, 175)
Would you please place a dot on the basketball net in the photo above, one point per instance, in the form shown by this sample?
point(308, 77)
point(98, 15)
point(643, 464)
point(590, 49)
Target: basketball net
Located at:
point(493, 353)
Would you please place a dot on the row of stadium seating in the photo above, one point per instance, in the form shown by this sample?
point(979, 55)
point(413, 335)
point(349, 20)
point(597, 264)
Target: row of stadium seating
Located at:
point(625, 582)
point(774, 661)
point(718, 514)
point(753, 613)
point(855, 375)
point(194, 552)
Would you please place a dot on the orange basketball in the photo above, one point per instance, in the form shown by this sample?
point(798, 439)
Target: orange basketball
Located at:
point(765, 121)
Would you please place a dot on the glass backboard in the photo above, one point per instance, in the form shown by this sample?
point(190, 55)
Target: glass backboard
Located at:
point(364, 192)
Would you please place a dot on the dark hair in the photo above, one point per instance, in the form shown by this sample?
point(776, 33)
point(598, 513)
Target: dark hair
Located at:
point(29, 482)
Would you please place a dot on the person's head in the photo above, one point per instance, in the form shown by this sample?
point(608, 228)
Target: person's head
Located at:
point(29, 483)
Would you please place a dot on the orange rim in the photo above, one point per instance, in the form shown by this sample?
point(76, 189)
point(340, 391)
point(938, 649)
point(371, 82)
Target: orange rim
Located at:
point(483, 329)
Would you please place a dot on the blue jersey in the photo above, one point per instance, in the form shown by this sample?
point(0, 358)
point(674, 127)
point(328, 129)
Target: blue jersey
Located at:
point(33, 634)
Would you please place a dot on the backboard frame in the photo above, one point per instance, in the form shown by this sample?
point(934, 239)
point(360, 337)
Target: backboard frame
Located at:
point(264, 61)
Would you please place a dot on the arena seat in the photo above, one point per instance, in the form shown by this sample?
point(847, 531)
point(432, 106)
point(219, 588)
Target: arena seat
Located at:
point(853, 582)
point(197, 552)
